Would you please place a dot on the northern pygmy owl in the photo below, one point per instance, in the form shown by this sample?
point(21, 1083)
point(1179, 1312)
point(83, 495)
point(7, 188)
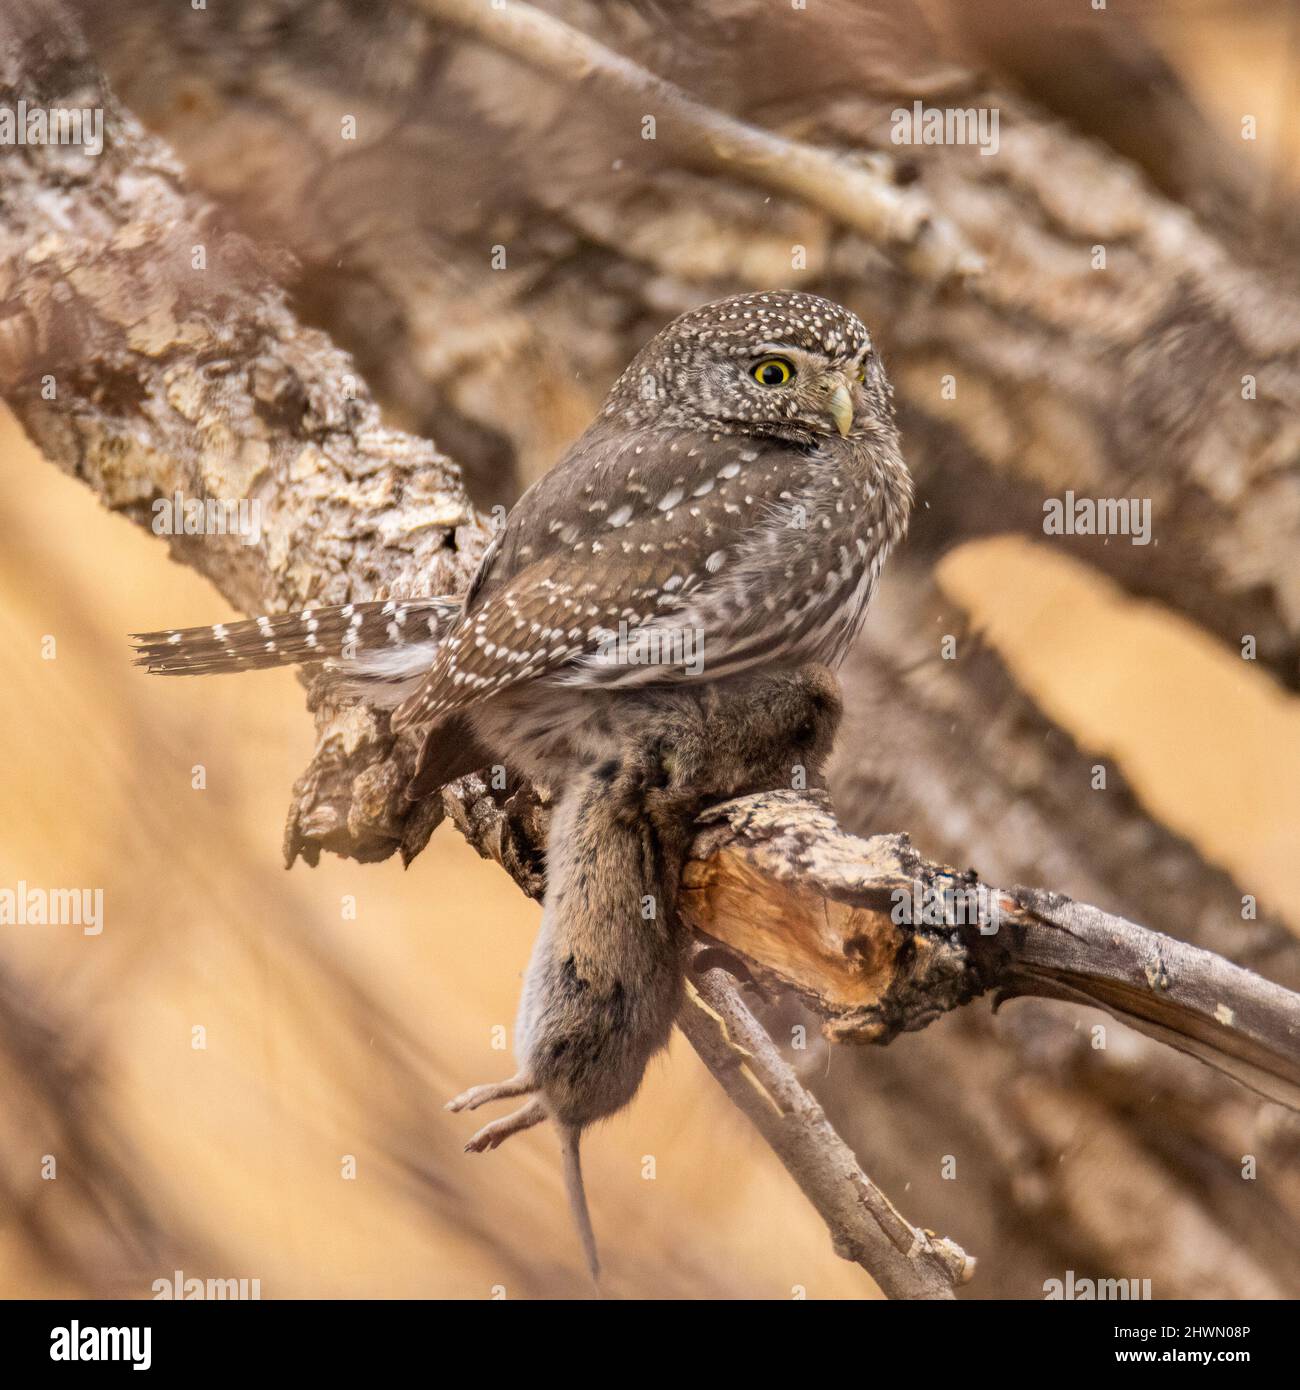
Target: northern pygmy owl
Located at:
point(729, 510)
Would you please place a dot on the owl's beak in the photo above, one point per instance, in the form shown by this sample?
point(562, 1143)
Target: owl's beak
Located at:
point(842, 408)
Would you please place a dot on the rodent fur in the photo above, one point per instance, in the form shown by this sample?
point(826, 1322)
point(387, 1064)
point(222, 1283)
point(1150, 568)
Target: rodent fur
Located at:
point(605, 979)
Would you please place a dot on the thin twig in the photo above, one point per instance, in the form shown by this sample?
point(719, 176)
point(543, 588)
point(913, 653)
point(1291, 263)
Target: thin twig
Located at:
point(864, 1225)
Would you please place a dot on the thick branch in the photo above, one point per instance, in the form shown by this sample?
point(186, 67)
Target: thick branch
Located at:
point(148, 351)
point(879, 940)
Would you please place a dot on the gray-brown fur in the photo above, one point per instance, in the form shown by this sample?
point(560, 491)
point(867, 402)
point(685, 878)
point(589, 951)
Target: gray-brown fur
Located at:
point(605, 980)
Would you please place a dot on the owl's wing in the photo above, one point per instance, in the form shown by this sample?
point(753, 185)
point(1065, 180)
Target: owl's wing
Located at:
point(626, 533)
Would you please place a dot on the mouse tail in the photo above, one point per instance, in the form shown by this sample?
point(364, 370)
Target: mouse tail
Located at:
point(570, 1137)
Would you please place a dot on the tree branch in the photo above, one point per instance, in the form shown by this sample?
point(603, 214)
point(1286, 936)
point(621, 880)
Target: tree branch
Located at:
point(864, 1224)
point(879, 940)
point(179, 373)
point(863, 194)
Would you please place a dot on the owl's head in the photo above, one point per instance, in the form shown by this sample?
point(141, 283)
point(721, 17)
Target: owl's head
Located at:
point(779, 363)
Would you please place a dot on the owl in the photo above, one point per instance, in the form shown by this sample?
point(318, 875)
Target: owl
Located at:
point(726, 514)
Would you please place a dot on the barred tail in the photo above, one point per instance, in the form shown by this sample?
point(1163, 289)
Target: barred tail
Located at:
point(373, 648)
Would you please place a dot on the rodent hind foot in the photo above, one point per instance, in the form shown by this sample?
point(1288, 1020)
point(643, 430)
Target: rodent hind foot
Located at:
point(500, 1130)
point(521, 1084)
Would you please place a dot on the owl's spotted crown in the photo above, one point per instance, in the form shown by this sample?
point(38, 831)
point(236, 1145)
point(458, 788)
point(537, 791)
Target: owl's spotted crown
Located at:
point(747, 322)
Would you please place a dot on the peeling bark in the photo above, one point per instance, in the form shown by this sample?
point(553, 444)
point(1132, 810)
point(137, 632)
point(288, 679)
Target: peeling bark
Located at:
point(146, 378)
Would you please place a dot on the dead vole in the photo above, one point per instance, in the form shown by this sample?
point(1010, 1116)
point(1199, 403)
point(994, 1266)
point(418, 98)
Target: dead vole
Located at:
point(605, 980)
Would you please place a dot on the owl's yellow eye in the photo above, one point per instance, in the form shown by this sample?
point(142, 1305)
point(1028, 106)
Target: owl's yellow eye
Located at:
point(862, 375)
point(772, 371)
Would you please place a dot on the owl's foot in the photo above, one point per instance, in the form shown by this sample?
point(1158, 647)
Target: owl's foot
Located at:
point(500, 1130)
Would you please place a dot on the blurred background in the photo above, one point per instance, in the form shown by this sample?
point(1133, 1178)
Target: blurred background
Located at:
point(333, 1034)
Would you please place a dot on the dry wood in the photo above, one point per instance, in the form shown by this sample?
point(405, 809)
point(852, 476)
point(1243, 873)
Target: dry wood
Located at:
point(863, 1223)
point(835, 918)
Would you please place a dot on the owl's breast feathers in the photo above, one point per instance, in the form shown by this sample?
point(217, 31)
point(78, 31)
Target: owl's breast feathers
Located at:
point(732, 550)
